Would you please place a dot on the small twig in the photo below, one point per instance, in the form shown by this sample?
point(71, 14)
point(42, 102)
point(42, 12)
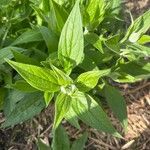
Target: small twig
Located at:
point(49, 127)
point(102, 143)
point(18, 144)
point(91, 143)
point(127, 145)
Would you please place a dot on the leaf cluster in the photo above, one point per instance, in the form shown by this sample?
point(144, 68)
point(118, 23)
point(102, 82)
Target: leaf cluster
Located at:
point(69, 52)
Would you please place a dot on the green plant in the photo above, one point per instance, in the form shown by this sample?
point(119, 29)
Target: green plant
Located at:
point(71, 51)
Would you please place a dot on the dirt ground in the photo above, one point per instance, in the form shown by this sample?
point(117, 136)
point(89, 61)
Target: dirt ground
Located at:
point(137, 6)
point(23, 137)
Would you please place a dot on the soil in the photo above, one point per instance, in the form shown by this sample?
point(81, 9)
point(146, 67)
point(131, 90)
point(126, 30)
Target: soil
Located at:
point(23, 136)
point(137, 7)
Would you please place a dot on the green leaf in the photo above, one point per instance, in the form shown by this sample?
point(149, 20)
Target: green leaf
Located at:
point(63, 79)
point(87, 65)
point(80, 143)
point(139, 50)
point(95, 40)
point(4, 2)
point(2, 95)
point(61, 2)
point(40, 16)
point(44, 5)
point(28, 36)
point(121, 77)
point(48, 97)
point(42, 146)
point(57, 17)
point(144, 39)
point(89, 111)
point(23, 86)
point(88, 80)
point(70, 48)
point(117, 103)
point(7, 53)
point(50, 38)
point(135, 69)
point(71, 117)
point(19, 57)
point(140, 26)
point(28, 106)
point(131, 72)
point(94, 13)
point(62, 106)
point(116, 6)
point(113, 44)
point(40, 78)
point(11, 99)
point(64, 143)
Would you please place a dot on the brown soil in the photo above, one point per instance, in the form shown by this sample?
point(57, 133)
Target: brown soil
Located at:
point(137, 7)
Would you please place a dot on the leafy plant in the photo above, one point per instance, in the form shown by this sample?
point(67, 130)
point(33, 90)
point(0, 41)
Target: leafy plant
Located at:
point(69, 52)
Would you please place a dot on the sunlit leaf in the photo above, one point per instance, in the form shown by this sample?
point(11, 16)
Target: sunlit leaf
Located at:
point(70, 48)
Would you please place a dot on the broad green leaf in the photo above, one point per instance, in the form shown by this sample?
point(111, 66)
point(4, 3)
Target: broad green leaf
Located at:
point(135, 69)
point(57, 17)
point(116, 6)
point(94, 13)
point(80, 143)
point(113, 44)
point(144, 39)
point(97, 57)
point(89, 111)
point(28, 106)
point(50, 38)
point(28, 36)
point(60, 139)
point(95, 40)
point(48, 97)
point(62, 106)
point(11, 99)
point(5, 75)
point(117, 104)
point(88, 80)
point(139, 50)
point(140, 26)
point(19, 57)
point(7, 53)
point(71, 117)
point(2, 95)
point(93, 9)
point(42, 146)
point(39, 55)
point(131, 72)
point(70, 48)
point(40, 78)
point(87, 65)
point(22, 86)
